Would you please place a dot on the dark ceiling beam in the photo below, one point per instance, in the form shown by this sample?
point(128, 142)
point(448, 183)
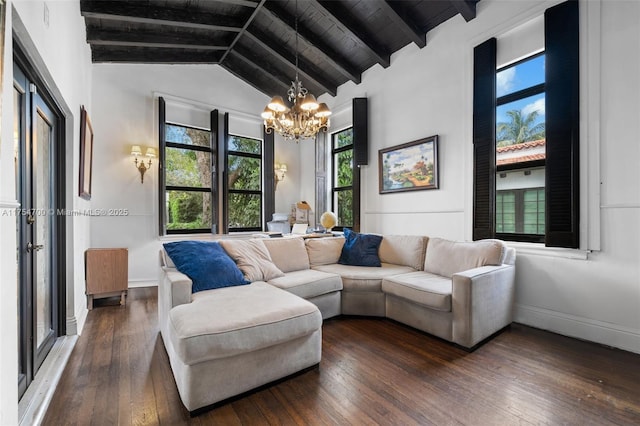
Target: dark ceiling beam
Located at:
point(354, 30)
point(289, 60)
point(466, 8)
point(246, 3)
point(257, 67)
point(135, 55)
point(244, 28)
point(328, 54)
point(141, 13)
point(104, 37)
point(403, 22)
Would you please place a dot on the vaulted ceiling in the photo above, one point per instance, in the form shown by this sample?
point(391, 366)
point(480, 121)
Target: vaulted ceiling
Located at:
point(256, 39)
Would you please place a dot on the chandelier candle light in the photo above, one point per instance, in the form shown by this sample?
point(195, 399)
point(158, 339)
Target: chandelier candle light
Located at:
point(305, 118)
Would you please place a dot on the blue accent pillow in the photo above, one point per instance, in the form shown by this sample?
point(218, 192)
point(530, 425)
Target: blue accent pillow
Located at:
point(206, 263)
point(360, 249)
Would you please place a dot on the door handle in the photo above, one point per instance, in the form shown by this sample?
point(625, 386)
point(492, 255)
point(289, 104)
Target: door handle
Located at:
point(31, 247)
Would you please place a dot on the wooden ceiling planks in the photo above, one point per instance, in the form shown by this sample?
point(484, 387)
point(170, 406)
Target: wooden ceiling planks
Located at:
point(255, 39)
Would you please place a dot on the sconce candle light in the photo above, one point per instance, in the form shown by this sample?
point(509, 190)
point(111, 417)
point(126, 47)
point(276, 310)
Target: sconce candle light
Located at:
point(280, 170)
point(136, 151)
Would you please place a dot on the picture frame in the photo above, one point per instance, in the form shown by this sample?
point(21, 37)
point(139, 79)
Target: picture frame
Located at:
point(412, 166)
point(86, 154)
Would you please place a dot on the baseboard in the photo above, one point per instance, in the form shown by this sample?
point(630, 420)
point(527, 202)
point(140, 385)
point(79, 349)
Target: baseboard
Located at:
point(143, 283)
point(579, 327)
point(34, 403)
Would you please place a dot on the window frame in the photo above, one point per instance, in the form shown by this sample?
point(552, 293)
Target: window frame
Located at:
point(164, 188)
point(562, 130)
point(503, 100)
point(337, 189)
point(229, 191)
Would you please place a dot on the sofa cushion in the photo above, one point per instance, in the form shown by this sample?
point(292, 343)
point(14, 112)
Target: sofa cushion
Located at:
point(308, 283)
point(324, 251)
point(358, 278)
point(253, 259)
point(360, 249)
point(405, 250)
point(446, 257)
point(288, 254)
point(229, 321)
point(423, 288)
point(205, 263)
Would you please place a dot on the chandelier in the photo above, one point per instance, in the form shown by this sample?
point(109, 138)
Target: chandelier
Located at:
point(304, 118)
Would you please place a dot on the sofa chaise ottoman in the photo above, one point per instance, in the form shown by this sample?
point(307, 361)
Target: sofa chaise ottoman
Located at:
point(232, 340)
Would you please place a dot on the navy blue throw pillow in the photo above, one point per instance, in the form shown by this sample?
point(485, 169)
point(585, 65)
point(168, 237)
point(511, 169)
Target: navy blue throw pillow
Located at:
point(206, 263)
point(360, 249)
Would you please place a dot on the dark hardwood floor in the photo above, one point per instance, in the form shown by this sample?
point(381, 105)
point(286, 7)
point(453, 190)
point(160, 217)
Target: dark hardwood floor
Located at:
point(373, 371)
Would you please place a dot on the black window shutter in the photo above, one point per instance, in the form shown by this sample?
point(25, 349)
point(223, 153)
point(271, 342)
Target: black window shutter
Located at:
point(269, 191)
point(562, 125)
point(360, 132)
point(223, 137)
point(162, 117)
point(484, 136)
point(214, 118)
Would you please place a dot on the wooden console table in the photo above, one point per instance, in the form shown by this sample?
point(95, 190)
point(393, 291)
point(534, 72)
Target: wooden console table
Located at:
point(106, 273)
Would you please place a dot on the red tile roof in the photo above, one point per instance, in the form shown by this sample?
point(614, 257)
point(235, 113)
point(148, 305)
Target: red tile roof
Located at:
point(525, 157)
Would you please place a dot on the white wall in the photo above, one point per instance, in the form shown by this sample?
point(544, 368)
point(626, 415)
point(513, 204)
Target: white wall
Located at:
point(62, 58)
point(591, 295)
point(126, 114)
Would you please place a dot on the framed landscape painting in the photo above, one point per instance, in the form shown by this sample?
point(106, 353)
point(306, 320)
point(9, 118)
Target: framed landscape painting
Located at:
point(409, 167)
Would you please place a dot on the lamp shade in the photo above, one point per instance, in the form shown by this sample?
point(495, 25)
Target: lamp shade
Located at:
point(135, 150)
point(151, 153)
point(283, 167)
point(277, 104)
point(323, 110)
point(309, 103)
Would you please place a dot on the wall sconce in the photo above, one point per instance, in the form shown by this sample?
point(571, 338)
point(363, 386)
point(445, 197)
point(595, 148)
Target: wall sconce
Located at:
point(136, 151)
point(279, 170)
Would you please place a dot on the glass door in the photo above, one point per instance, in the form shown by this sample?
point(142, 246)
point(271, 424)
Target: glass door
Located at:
point(34, 158)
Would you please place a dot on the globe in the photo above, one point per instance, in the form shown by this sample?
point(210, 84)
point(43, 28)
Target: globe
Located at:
point(328, 220)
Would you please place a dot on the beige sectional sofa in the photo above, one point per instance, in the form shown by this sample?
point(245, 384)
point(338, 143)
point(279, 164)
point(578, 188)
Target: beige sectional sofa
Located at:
point(227, 341)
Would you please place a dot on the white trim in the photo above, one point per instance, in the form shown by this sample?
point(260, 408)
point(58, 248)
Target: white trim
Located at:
point(539, 249)
point(9, 204)
point(590, 131)
point(142, 283)
point(449, 211)
point(620, 206)
point(34, 403)
point(579, 327)
point(205, 106)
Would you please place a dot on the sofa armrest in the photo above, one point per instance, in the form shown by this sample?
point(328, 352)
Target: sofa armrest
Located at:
point(482, 302)
point(176, 286)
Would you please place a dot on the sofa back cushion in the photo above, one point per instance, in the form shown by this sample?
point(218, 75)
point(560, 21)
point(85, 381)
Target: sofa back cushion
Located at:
point(446, 257)
point(288, 254)
point(253, 259)
point(406, 250)
point(324, 251)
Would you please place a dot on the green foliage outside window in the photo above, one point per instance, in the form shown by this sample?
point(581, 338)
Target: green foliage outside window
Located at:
point(244, 165)
point(343, 177)
point(188, 168)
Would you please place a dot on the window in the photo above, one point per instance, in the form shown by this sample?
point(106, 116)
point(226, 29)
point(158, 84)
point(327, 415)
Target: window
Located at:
point(187, 179)
point(343, 177)
point(244, 193)
point(520, 148)
point(526, 138)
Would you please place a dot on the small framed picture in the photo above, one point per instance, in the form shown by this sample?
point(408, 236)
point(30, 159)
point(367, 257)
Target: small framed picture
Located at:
point(86, 154)
point(411, 166)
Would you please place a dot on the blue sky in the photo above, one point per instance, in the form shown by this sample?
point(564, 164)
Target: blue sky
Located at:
point(518, 77)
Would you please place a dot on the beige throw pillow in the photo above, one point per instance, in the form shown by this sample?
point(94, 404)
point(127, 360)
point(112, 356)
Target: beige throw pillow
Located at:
point(253, 259)
point(324, 251)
